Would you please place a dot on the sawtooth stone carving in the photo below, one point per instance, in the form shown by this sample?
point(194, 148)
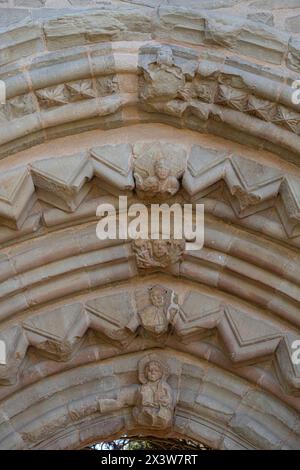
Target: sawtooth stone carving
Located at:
point(63, 182)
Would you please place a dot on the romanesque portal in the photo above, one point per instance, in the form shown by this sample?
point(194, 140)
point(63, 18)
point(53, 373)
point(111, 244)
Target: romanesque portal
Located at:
point(167, 104)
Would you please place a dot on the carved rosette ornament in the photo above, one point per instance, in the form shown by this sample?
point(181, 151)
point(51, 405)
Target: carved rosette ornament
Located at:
point(157, 308)
point(155, 254)
point(158, 170)
point(155, 401)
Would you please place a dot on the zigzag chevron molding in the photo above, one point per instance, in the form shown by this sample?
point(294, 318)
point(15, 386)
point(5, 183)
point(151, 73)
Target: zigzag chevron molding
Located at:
point(65, 182)
point(123, 317)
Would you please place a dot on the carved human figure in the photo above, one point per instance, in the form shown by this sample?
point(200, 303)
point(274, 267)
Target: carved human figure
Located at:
point(155, 403)
point(143, 252)
point(158, 169)
point(163, 181)
point(160, 310)
point(157, 253)
point(162, 79)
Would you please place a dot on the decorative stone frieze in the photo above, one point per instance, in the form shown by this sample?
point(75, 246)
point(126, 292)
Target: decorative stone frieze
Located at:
point(156, 172)
point(121, 317)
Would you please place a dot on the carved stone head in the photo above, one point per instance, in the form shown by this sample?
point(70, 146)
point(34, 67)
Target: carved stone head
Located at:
point(165, 56)
point(160, 248)
point(158, 296)
point(162, 168)
point(152, 369)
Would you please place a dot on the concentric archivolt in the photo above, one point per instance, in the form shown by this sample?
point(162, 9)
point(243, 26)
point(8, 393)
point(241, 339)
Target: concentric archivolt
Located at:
point(64, 183)
point(95, 101)
point(95, 401)
point(121, 318)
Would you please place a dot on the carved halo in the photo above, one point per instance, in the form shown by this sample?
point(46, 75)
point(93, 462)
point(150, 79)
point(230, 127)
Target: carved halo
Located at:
point(145, 361)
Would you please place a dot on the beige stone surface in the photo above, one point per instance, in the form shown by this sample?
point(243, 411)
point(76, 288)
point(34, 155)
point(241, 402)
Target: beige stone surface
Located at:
point(161, 103)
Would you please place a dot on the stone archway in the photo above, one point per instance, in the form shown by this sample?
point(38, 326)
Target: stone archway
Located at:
point(94, 100)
